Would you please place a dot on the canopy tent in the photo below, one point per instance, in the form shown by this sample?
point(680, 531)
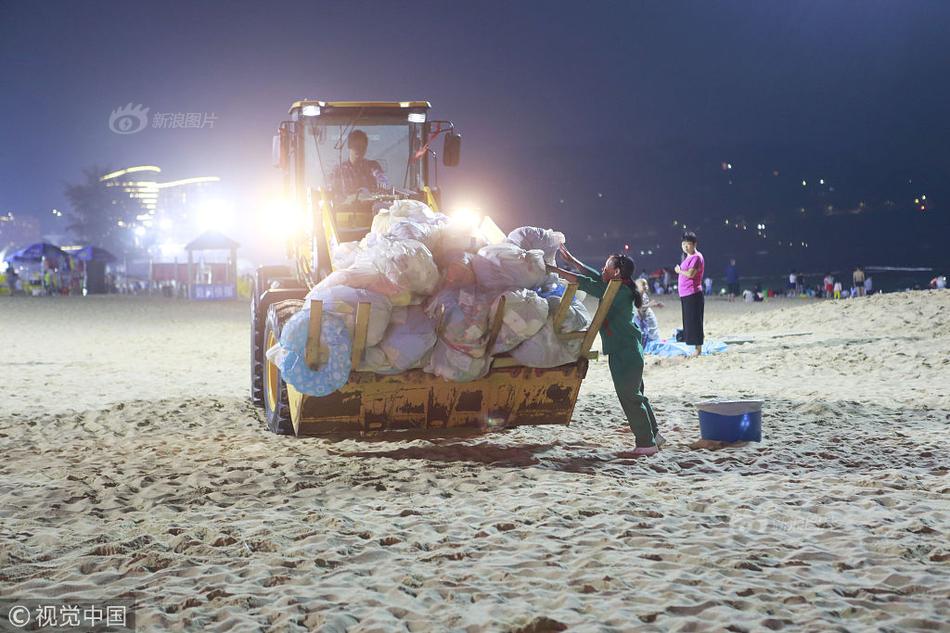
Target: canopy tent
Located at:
point(35, 253)
point(94, 254)
point(213, 288)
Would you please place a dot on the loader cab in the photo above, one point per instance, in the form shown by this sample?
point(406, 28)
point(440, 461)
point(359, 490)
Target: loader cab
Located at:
point(343, 161)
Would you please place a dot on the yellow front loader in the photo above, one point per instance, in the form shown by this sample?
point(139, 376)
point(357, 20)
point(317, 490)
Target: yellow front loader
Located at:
point(309, 148)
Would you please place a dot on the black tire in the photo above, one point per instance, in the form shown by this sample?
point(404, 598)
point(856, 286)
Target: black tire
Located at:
point(276, 404)
point(257, 347)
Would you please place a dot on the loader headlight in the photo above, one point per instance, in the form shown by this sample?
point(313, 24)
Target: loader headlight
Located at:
point(310, 110)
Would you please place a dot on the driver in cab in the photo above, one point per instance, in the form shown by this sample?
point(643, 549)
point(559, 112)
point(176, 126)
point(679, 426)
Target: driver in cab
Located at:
point(357, 173)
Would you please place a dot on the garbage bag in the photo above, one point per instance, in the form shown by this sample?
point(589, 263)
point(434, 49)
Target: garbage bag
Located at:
point(525, 314)
point(361, 275)
point(417, 211)
point(405, 229)
point(462, 315)
point(578, 317)
point(290, 355)
point(454, 365)
point(342, 301)
point(508, 266)
point(375, 360)
point(456, 269)
point(409, 265)
point(344, 254)
point(409, 338)
point(546, 349)
point(532, 237)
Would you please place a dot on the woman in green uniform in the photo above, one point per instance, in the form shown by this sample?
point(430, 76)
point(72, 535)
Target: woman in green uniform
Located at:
point(621, 339)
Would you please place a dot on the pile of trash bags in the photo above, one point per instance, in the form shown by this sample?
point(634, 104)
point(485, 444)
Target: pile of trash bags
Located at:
point(434, 286)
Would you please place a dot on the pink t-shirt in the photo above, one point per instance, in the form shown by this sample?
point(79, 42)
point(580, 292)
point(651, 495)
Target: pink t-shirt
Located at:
point(692, 285)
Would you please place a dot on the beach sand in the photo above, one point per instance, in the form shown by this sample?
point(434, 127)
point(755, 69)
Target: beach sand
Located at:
point(134, 466)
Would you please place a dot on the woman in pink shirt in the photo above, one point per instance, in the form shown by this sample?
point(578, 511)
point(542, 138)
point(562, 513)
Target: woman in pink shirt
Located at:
point(690, 273)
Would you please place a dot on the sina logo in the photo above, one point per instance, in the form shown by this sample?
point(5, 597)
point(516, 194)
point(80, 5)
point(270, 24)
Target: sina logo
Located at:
point(128, 119)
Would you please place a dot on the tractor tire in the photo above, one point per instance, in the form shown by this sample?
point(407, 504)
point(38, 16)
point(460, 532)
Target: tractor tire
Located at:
point(257, 347)
point(276, 403)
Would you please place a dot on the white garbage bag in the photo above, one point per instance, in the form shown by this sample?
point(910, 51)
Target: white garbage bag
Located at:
point(578, 317)
point(409, 338)
point(532, 237)
point(375, 360)
point(456, 366)
point(546, 349)
point(409, 265)
point(416, 211)
point(525, 314)
point(361, 275)
point(508, 266)
point(456, 269)
point(342, 301)
point(344, 255)
point(462, 315)
point(405, 229)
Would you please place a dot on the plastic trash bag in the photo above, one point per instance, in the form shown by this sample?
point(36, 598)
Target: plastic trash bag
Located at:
point(456, 366)
point(417, 211)
point(525, 314)
point(546, 349)
point(361, 275)
point(410, 337)
point(290, 355)
point(578, 317)
point(342, 302)
point(375, 360)
point(405, 229)
point(508, 266)
point(456, 269)
point(344, 255)
point(409, 265)
point(463, 317)
point(532, 237)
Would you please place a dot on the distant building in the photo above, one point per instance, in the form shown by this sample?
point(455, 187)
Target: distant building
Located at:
point(170, 211)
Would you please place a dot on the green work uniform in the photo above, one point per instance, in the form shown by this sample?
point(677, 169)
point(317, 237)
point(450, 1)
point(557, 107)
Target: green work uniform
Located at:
point(622, 346)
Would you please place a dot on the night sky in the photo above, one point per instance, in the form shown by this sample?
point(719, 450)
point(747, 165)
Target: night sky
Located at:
point(600, 118)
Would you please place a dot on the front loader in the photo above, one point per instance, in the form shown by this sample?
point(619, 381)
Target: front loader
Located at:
point(310, 149)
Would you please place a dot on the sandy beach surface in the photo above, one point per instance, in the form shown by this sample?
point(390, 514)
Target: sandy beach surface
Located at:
point(134, 466)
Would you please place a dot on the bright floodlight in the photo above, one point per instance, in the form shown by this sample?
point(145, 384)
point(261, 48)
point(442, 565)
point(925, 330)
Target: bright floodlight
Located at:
point(468, 217)
point(214, 215)
point(417, 117)
point(280, 218)
point(310, 110)
point(140, 231)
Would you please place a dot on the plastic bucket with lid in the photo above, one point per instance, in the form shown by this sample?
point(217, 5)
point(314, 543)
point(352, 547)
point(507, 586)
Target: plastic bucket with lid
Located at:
point(730, 420)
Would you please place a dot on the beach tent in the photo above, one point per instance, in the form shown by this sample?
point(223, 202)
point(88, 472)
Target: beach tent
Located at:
point(94, 254)
point(94, 268)
point(35, 253)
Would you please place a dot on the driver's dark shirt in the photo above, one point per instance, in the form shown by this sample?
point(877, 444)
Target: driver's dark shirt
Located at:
point(349, 177)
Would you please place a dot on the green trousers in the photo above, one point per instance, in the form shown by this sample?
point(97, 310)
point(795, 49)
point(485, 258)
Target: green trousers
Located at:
point(626, 369)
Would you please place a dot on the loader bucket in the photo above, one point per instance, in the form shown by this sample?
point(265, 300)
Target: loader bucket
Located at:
point(417, 404)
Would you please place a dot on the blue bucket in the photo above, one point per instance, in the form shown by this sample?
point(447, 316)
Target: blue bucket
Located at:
point(730, 420)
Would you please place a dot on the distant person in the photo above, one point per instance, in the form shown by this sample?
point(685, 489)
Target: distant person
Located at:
point(645, 318)
point(837, 290)
point(868, 286)
point(732, 280)
point(800, 284)
point(829, 285)
point(12, 279)
point(707, 285)
point(357, 172)
point(858, 278)
point(939, 282)
point(667, 279)
point(690, 272)
point(792, 284)
point(621, 340)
